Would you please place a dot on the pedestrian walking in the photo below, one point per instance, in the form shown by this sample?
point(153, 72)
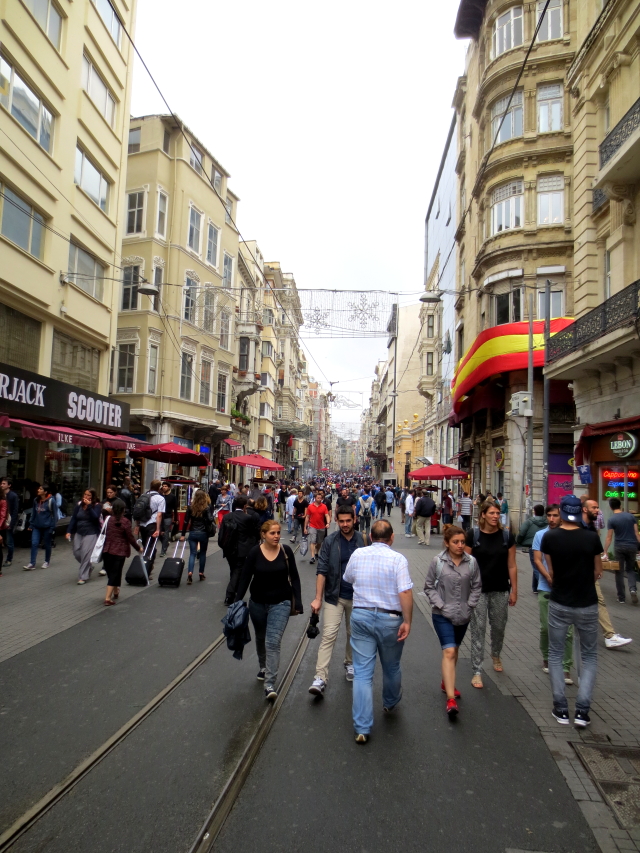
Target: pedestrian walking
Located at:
point(447, 508)
point(402, 504)
point(224, 502)
point(293, 494)
point(126, 494)
point(283, 496)
point(345, 499)
point(408, 513)
point(12, 514)
point(198, 522)
point(299, 511)
point(625, 527)
point(271, 575)
point(337, 594)
point(261, 506)
point(148, 514)
point(380, 501)
point(111, 494)
point(453, 586)
point(317, 521)
point(573, 559)
point(528, 529)
point(380, 623)
point(117, 547)
point(389, 496)
point(4, 523)
point(84, 527)
point(466, 510)
point(237, 535)
point(169, 516)
point(365, 511)
point(504, 509)
point(495, 551)
point(42, 524)
point(423, 510)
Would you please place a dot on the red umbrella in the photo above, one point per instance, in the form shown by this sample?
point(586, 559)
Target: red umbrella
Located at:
point(438, 472)
point(254, 460)
point(172, 452)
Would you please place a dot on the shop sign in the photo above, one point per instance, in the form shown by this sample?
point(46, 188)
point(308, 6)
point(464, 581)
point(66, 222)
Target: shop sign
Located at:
point(29, 395)
point(614, 482)
point(183, 442)
point(499, 457)
point(624, 444)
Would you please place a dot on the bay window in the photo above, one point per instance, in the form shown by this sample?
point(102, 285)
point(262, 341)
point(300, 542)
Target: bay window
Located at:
point(550, 107)
point(511, 126)
point(507, 31)
point(507, 206)
point(551, 200)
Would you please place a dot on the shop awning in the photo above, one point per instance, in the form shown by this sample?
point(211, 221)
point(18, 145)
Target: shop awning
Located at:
point(118, 442)
point(58, 434)
point(232, 442)
point(4, 422)
point(604, 428)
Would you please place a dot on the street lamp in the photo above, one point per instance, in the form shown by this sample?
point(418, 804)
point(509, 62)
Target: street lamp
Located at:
point(147, 288)
point(431, 297)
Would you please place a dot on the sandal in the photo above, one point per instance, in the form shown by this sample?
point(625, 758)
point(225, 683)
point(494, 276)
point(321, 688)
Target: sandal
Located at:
point(497, 664)
point(109, 603)
point(476, 681)
point(190, 578)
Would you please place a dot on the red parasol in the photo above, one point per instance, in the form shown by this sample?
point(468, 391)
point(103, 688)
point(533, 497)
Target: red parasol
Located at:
point(438, 472)
point(173, 453)
point(254, 460)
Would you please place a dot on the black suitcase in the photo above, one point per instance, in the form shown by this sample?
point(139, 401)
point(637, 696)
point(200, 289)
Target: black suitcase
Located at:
point(172, 568)
point(138, 571)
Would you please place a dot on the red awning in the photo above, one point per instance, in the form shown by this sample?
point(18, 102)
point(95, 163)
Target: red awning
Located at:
point(605, 428)
point(4, 422)
point(118, 442)
point(254, 460)
point(232, 442)
point(59, 434)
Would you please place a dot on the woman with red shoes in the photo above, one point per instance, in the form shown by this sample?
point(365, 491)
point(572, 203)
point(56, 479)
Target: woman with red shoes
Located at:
point(453, 586)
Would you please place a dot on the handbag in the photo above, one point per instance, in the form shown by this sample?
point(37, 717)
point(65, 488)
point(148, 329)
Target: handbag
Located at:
point(96, 554)
point(293, 611)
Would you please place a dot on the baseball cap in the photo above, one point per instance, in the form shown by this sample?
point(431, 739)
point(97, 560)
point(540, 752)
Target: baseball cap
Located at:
point(570, 508)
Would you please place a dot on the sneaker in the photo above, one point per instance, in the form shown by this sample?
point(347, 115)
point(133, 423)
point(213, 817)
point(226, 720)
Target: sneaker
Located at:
point(561, 716)
point(616, 641)
point(163, 553)
point(348, 667)
point(362, 738)
point(581, 720)
point(293, 539)
point(620, 600)
point(45, 565)
point(452, 709)
point(545, 666)
point(28, 568)
point(270, 694)
point(456, 692)
point(317, 688)
point(634, 596)
point(81, 582)
point(567, 678)
point(8, 563)
point(312, 560)
point(102, 572)
point(260, 675)
point(407, 536)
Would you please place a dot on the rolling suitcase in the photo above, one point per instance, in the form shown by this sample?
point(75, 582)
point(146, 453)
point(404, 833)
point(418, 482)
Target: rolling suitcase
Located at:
point(138, 571)
point(172, 569)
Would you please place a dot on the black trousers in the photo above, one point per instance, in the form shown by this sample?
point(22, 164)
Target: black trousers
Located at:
point(113, 567)
point(235, 570)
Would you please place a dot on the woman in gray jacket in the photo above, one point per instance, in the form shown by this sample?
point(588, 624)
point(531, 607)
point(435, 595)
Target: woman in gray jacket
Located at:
point(453, 586)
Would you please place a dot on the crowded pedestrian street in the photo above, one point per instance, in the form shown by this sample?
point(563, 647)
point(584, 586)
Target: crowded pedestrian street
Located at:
point(75, 677)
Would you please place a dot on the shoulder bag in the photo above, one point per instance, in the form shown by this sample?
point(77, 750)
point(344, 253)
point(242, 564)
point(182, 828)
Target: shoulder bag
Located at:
point(293, 611)
point(96, 554)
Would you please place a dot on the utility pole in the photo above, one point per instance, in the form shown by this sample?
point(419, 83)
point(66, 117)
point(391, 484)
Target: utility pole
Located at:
point(545, 392)
point(395, 386)
point(529, 476)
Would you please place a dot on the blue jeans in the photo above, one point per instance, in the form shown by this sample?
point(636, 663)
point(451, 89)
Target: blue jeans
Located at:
point(536, 573)
point(269, 622)
point(585, 620)
point(39, 534)
point(194, 537)
point(7, 535)
point(374, 632)
point(289, 524)
point(408, 521)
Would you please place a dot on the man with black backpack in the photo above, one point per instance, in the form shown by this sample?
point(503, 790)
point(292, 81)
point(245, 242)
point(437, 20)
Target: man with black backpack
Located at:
point(365, 512)
point(148, 514)
point(423, 510)
point(238, 533)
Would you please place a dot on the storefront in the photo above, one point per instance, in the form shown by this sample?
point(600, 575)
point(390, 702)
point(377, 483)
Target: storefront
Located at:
point(52, 432)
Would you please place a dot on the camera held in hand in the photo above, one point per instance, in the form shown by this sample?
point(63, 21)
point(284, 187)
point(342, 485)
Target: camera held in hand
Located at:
point(312, 627)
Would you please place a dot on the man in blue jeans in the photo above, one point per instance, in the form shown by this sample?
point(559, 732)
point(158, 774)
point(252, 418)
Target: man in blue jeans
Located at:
point(380, 623)
point(572, 555)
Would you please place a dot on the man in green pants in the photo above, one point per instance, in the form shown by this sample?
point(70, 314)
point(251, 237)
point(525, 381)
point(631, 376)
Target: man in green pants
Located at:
point(544, 588)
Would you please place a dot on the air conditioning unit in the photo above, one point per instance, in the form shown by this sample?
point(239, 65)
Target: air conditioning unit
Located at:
point(521, 405)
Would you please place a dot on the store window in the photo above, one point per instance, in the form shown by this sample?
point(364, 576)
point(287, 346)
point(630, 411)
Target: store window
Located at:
point(68, 466)
point(19, 339)
point(74, 362)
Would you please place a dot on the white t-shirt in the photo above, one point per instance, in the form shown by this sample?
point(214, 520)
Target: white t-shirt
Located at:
point(408, 505)
point(290, 502)
point(158, 504)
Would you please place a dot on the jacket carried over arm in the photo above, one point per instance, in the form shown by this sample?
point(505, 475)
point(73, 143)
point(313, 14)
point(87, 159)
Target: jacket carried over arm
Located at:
point(458, 590)
point(330, 564)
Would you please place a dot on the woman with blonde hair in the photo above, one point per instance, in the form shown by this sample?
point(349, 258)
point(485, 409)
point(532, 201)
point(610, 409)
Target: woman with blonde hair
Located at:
point(198, 521)
point(271, 570)
point(495, 551)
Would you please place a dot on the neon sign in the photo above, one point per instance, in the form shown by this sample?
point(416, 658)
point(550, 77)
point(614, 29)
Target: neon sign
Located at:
point(614, 494)
point(632, 475)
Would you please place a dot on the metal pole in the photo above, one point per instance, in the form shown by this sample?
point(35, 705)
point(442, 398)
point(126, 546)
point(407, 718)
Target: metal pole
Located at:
point(395, 387)
point(545, 397)
point(529, 490)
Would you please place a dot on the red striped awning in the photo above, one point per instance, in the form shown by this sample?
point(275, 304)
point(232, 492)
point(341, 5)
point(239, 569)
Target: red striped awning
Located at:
point(56, 433)
point(232, 442)
point(118, 442)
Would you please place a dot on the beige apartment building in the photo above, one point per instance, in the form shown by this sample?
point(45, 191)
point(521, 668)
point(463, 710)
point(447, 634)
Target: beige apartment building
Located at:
point(65, 82)
point(176, 350)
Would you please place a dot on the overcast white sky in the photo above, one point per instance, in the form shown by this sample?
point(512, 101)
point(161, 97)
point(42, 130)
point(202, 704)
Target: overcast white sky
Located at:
point(331, 120)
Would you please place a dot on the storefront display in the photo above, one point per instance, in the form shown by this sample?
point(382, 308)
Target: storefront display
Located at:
point(68, 467)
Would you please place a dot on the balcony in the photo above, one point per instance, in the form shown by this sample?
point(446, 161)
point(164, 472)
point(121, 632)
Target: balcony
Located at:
point(620, 151)
point(427, 385)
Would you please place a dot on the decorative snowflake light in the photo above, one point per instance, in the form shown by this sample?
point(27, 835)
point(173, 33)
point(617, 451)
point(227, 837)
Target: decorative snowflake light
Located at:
point(317, 319)
point(363, 312)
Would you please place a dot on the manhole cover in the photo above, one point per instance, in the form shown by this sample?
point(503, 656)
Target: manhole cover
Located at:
point(616, 772)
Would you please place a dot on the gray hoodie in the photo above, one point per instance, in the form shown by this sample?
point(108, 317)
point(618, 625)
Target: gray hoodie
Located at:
point(458, 590)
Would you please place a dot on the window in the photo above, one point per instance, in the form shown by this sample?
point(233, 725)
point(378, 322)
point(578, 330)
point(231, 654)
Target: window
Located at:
point(85, 271)
point(25, 106)
point(551, 200)
point(221, 403)
point(216, 178)
point(283, 344)
point(279, 410)
point(130, 280)
point(212, 246)
point(267, 349)
point(91, 180)
point(135, 210)
point(111, 20)
point(225, 322)
point(166, 141)
point(299, 414)
point(429, 364)
point(228, 207)
point(195, 227)
point(267, 317)
point(21, 223)
point(153, 369)
point(507, 31)
point(48, 17)
point(186, 374)
point(74, 362)
point(227, 276)
point(19, 339)
point(463, 200)
point(606, 118)
point(266, 411)
point(556, 304)
point(243, 358)
point(607, 274)
point(190, 296)
point(161, 228)
point(430, 325)
point(511, 127)
point(195, 158)
point(550, 108)
point(157, 280)
point(209, 310)
point(134, 140)
point(265, 442)
point(126, 367)
point(506, 207)
point(206, 370)
point(551, 26)
point(461, 338)
point(508, 307)
point(98, 91)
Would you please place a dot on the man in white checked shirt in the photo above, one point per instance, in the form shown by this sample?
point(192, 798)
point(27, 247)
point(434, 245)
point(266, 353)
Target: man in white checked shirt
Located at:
point(380, 623)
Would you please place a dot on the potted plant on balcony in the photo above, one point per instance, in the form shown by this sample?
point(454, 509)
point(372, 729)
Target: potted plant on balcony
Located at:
point(257, 376)
point(242, 373)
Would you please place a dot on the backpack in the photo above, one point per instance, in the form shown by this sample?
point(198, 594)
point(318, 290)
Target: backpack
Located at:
point(142, 508)
point(63, 504)
point(476, 537)
point(227, 533)
point(365, 508)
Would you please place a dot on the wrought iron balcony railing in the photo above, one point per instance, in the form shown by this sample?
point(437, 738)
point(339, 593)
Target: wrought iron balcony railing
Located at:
point(622, 309)
point(599, 198)
point(614, 140)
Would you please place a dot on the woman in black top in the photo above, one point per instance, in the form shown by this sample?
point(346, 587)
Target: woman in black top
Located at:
point(495, 551)
point(271, 570)
point(198, 520)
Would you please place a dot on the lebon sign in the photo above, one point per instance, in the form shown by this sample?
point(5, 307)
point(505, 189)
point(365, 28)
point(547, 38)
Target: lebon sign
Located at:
point(623, 444)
